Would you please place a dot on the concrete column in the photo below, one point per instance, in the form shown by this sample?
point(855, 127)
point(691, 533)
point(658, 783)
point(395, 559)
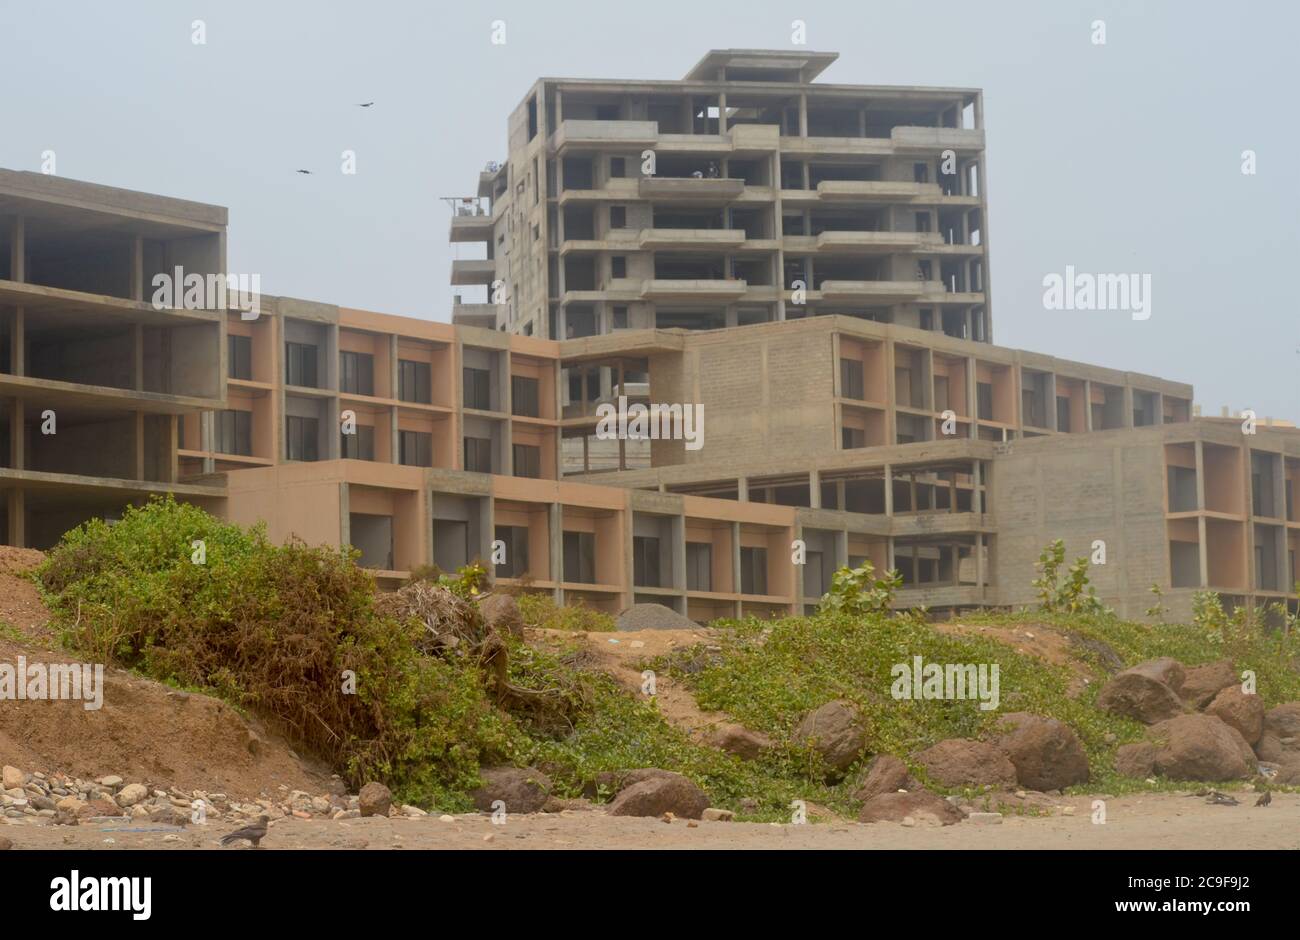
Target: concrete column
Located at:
point(841, 494)
point(976, 498)
point(803, 128)
point(1128, 406)
point(979, 564)
point(172, 472)
point(345, 515)
point(138, 356)
point(207, 440)
point(395, 438)
point(722, 112)
point(798, 577)
point(17, 435)
point(18, 250)
point(742, 490)
point(555, 524)
point(815, 489)
point(1202, 548)
point(1051, 402)
point(678, 527)
point(18, 343)
point(735, 562)
point(138, 432)
point(889, 490)
point(972, 395)
point(1087, 405)
point(17, 510)
point(137, 268)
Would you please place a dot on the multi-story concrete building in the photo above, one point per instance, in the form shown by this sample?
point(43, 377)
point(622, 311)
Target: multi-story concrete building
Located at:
point(92, 376)
point(743, 193)
point(833, 426)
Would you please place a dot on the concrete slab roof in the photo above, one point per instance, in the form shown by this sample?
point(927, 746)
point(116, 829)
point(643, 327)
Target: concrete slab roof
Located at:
point(805, 65)
point(89, 205)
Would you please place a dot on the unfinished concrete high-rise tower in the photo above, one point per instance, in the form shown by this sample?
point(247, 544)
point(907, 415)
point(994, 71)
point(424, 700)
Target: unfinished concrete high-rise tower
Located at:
point(744, 193)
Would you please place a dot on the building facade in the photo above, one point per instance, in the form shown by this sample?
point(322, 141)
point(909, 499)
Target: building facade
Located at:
point(799, 270)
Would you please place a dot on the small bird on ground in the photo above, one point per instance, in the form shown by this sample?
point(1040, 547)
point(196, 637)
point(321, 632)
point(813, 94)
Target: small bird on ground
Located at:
point(1265, 798)
point(1220, 799)
point(254, 833)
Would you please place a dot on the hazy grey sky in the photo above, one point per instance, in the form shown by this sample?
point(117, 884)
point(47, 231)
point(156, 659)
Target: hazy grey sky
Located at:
point(1117, 158)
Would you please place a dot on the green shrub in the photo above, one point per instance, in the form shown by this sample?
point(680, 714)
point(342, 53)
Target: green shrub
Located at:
point(272, 629)
point(540, 611)
point(1075, 595)
point(857, 591)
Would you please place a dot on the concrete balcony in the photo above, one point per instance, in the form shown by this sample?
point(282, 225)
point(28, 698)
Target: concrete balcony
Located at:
point(689, 189)
point(589, 133)
point(619, 189)
point(483, 316)
point(882, 191)
point(466, 273)
point(836, 146)
point(930, 139)
point(684, 238)
point(755, 138)
point(866, 243)
point(487, 180)
point(719, 289)
point(889, 292)
point(471, 228)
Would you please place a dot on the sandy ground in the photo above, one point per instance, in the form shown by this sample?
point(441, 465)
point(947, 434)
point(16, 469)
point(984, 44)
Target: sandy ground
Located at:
point(1159, 821)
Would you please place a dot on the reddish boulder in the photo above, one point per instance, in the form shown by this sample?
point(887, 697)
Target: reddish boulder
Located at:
point(521, 789)
point(885, 773)
point(1148, 692)
point(1202, 683)
point(1239, 710)
point(664, 793)
point(958, 762)
point(1047, 754)
point(1136, 760)
point(921, 805)
point(1201, 747)
point(835, 732)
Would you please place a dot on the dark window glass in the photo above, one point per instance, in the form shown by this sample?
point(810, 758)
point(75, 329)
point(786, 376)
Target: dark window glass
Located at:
point(234, 432)
point(580, 557)
point(415, 448)
point(617, 167)
point(524, 396)
point(478, 454)
point(753, 570)
point(516, 543)
point(478, 389)
point(359, 446)
point(300, 365)
point(241, 356)
point(356, 373)
point(852, 384)
point(527, 460)
point(645, 561)
point(617, 216)
point(301, 436)
point(414, 382)
point(984, 395)
point(699, 566)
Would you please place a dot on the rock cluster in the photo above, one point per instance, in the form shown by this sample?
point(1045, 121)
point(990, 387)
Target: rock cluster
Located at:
point(1203, 725)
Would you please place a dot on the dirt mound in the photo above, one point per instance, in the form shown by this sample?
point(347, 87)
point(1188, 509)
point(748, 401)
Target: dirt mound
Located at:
point(652, 617)
point(144, 731)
